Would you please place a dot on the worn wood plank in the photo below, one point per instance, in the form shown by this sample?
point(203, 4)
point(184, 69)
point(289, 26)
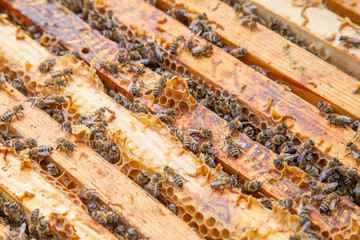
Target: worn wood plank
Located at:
point(345, 8)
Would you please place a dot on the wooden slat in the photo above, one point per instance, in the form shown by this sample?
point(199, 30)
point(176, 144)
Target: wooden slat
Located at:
point(242, 211)
point(345, 8)
point(254, 154)
point(48, 199)
point(323, 27)
point(266, 49)
point(4, 232)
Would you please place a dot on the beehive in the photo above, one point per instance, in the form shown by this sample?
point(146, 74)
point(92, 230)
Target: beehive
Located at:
point(144, 142)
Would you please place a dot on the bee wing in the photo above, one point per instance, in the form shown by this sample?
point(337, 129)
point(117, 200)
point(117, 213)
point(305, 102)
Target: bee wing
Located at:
point(324, 174)
point(331, 186)
point(357, 189)
point(241, 145)
point(65, 115)
point(301, 206)
point(22, 229)
point(333, 204)
point(194, 130)
point(320, 196)
point(194, 23)
point(44, 153)
point(301, 156)
point(171, 179)
point(46, 101)
point(305, 227)
point(144, 61)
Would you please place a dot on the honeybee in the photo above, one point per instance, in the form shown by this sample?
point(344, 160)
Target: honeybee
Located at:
point(15, 143)
point(268, 144)
point(329, 202)
point(135, 55)
point(9, 114)
point(135, 85)
point(155, 53)
point(13, 211)
point(19, 234)
point(250, 132)
point(325, 107)
point(287, 203)
point(324, 188)
point(356, 193)
point(312, 171)
point(165, 115)
point(232, 147)
point(354, 150)
point(285, 147)
point(110, 67)
point(43, 150)
point(62, 73)
point(176, 44)
point(119, 232)
point(64, 144)
point(349, 41)
point(55, 99)
point(138, 107)
point(121, 55)
point(210, 160)
point(52, 169)
point(304, 149)
point(238, 52)
point(274, 24)
point(339, 119)
point(142, 178)
point(211, 36)
point(114, 154)
point(37, 101)
point(46, 65)
point(356, 127)
point(236, 125)
point(201, 131)
point(137, 68)
point(172, 176)
point(278, 139)
point(154, 185)
point(98, 127)
point(88, 194)
point(251, 20)
point(205, 147)
point(56, 82)
point(191, 42)
point(284, 30)
point(266, 203)
point(188, 141)
point(33, 221)
point(67, 125)
point(131, 234)
point(173, 208)
point(225, 180)
point(278, 129)
point(159, 86)
point(205, 50)
point(178, 13)
point(278, 162)
point(251, 186)
point(304, 210)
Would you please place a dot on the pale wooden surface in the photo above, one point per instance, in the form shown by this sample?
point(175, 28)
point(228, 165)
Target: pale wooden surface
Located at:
point(141, 143)
point(345, 8)
point(18, 182)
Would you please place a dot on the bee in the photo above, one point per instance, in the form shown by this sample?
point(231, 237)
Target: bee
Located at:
point(155, 53)
point(312, 171)
point(354, 150)
point(19, 234)
point(165, 115)
point(356, 127)
point(16, 143)
point(236, 125)
point(62, 73)
point(56, 82)
point(52, 169)
point(266, 203)
point(67, 125)
point(339, 119)
point(142, 178)
point(55, 99)
point(278, 139)
point(205, 147)
point(138, 108)
point(356, 193)
point(135, 55)
point(349, 41)
point(324, 107)
point(250, 132)
point(188, 141)
point(324, 188)
point(98, 127)
point(131, 234)
point(121, 55)
point(172, 176)
point(44, 230)
point(46, 65)
point(200, 91)
point(225, 180)
point(251, 186)
point(211, 36)
point(33, 221)
point(238, 52)
point(9, 114)
point(89, 194)
point(64, 144)
point(205, 50)
point(329, 202)
point(251, 20)
point(284, 30)
point(201, 131)
point(304, 210)
point(285, 147)
point(135, 85)
point(173, 208)
point(278, 162)
point(232, 147)
point(43, 150)
point(278, 129)
point(287, 203)
point(159, 86)
point(154, 185)
point(191, 42)
point(19, 85)
point(178, 13)
point(176, 44)
point(274, 24)
point(304, 149)
point(110, 67)
point(13, 211)
point(210, 160)
point(37, 101)
point(119, 232)
point(114, 154)
point(57, 115)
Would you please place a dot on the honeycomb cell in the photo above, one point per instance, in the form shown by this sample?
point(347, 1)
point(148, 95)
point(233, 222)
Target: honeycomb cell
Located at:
point(203, 230)
point(263, 126)
point(173, 67)
point(194, 225)
point(355, 237)
point(163, 100)
point(275, 173)
point(186, 199)
point(169, 192)
point(225, 234)
point(273, 181)
point(339, 236)
point(322, 162)
point(184, 107)
point(71, 185)
point(134, 164)
point(167, 62)
point(178, 95)
point(245, 111)
point(214, 232)
point(180, 70)
point(133, 173)
point(190, 209)
point(170, 103)
point(71, 195)
point(304, 186)
point(296, 180)
point(187, 218)
point(210, 222)
point(32, 85)
point(199, 217)
point(27, 79)
point(45, 40)
point(347, 234)
point(168, 92)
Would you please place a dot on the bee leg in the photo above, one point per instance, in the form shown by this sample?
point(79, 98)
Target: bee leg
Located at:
point(222, 190)
point(10, 119)
point(17, 116)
